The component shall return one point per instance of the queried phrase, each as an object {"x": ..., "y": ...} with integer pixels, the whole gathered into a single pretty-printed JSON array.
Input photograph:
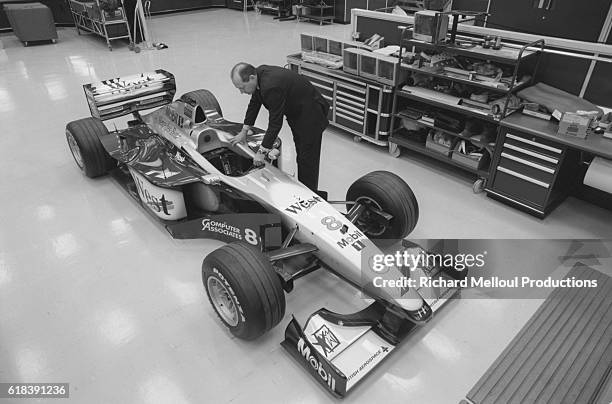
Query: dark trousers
[
  {"x": 307, "y": 136},
  {"x": 308, "y": 151}
]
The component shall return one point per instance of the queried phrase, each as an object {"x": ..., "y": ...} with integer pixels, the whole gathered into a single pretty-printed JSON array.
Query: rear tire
[
  {"x": 204, "y": 98},
  {"x": 83, "y": 137},
  {"x": 389, "y": 193},
  {"x": 244, "y": 290}
]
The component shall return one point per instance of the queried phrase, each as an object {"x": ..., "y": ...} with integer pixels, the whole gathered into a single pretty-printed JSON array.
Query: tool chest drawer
[
  {"x": 532, "y": 156},
  {"x": 534, "y": 169},
  {"x": 521, "y": 187},
  {"x": 323, "y": 84},
  {"x": 538, "y": 147},
  {"x": 350, "y": 103},
  {"x": 349, "y": 121},
  {"x": 352, "y": 92},
  {"x": 527, "y": 170}
]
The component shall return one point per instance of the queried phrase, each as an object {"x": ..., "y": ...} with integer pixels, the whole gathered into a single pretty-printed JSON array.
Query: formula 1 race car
[{"x": 179, "y": 163}]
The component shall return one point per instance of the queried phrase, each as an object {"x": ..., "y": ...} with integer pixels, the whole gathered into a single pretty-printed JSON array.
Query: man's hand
[
  {"x": 259, "y": 159},
  {"x": 239, "y": 138}
]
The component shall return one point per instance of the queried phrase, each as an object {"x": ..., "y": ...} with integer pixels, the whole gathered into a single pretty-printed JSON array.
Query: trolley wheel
[
  {"x": 131, "y": 46},
  {"x": 137, "y": 49},
  {"x": 356, "y": 138},
  {"x": 394, "y": 150},
  {"x": 479, "y": 185}
]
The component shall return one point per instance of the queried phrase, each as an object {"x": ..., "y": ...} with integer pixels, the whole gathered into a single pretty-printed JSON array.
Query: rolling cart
[{"x": 91, "y": 16}]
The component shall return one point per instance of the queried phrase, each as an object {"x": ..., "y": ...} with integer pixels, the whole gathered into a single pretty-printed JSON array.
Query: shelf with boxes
[
  {"x": 447, "y": 136},
  {"x": 463, "y": 82},
  {"x": 358, "y": 83},
  {"x": 106, "y": 19}
]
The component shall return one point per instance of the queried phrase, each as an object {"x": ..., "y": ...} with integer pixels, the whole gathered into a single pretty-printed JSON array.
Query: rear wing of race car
[{"x": 113, "y": 98}]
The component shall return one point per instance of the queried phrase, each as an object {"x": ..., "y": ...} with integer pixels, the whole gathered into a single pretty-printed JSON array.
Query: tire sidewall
[
  {"x": 213, "y": 270},
  {"x": 70, "y": 135}
]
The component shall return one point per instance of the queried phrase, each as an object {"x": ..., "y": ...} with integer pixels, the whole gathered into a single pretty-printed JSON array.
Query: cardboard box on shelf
[{"x": 574, "y": 124}]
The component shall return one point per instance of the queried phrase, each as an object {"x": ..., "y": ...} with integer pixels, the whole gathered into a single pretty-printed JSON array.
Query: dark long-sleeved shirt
[{"x": 286, "y": 93}]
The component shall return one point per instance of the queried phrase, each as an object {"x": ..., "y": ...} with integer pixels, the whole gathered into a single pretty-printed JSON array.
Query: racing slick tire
[
  {"x": 389, "y": 193},
  {"x": 204, "y": 98},
  {"x": 244, "y": 290},
  {"x": 83, "y": 137}
]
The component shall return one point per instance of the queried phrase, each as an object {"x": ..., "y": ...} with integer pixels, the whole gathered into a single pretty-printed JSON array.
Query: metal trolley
[{"x": 111, "y": 25}]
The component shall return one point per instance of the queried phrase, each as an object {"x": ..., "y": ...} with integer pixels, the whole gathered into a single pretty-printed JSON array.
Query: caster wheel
[
  {"x": 357, "y": 139},
  {"x": 131, "y": 46},
  {"x": 137, "y": 49},
  {"x": 394, "y": 150},
  {"x": 479, "y": 185}
]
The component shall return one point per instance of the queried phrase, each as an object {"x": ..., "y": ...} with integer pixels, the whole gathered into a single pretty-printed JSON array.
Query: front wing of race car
[{"x": 340, "y": 350}]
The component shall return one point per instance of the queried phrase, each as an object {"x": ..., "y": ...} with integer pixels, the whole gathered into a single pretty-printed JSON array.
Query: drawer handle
[
  {"x": 348, "y": 118},
  {"x": 350, "y": 113},
  {"x": 360, "y": 105},
  {"x": 531, "y": 153},
  {"x": 515, "y": 201},
  {"x": 381, "y": 114},
  {"x": 349, "y": 107},
  {"x": 305, "y": 67},
  {"x": 318, "y": 77},
  {"x": 321, "y": 86},
  {"x": 531, "y": 142},
  {"x": 523, "y": 177},
  {"x": 350, "y": 96},
  {"x": 352, "y": 88},
  {"x": 528, "y": 163}
]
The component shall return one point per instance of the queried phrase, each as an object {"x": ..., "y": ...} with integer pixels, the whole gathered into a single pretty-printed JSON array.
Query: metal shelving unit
[
  {"x": 89, "y": 17},
  {"x": 322, "y": 12},
  {"x": 510, "y": 56}
]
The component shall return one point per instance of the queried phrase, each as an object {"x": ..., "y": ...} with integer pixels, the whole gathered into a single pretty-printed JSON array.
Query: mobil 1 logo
[{"x": 352, "y": 239}]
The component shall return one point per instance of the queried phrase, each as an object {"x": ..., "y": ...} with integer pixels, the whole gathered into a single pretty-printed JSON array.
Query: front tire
[
  {"x": 387, "y": 192},
  {"x": 244, "y": 290},
  {"x": 83, "y": 137}
]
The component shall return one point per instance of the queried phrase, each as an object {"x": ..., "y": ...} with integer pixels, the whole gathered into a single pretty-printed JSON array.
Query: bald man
[{"x": 285, "y": 93}]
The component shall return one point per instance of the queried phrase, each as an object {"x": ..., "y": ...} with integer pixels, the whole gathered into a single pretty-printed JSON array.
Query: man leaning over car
[{"x": 284, "y": 93}]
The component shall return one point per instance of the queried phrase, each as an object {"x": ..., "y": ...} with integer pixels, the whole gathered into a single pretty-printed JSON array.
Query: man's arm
[
  {"x": 275, "y": 99},
  {"x": 252, "y": 111},
  {"x": 249, "y": 119}
]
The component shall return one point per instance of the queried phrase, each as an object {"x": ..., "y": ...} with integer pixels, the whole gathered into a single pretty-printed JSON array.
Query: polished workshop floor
[{"x": 95, "y": 293}]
